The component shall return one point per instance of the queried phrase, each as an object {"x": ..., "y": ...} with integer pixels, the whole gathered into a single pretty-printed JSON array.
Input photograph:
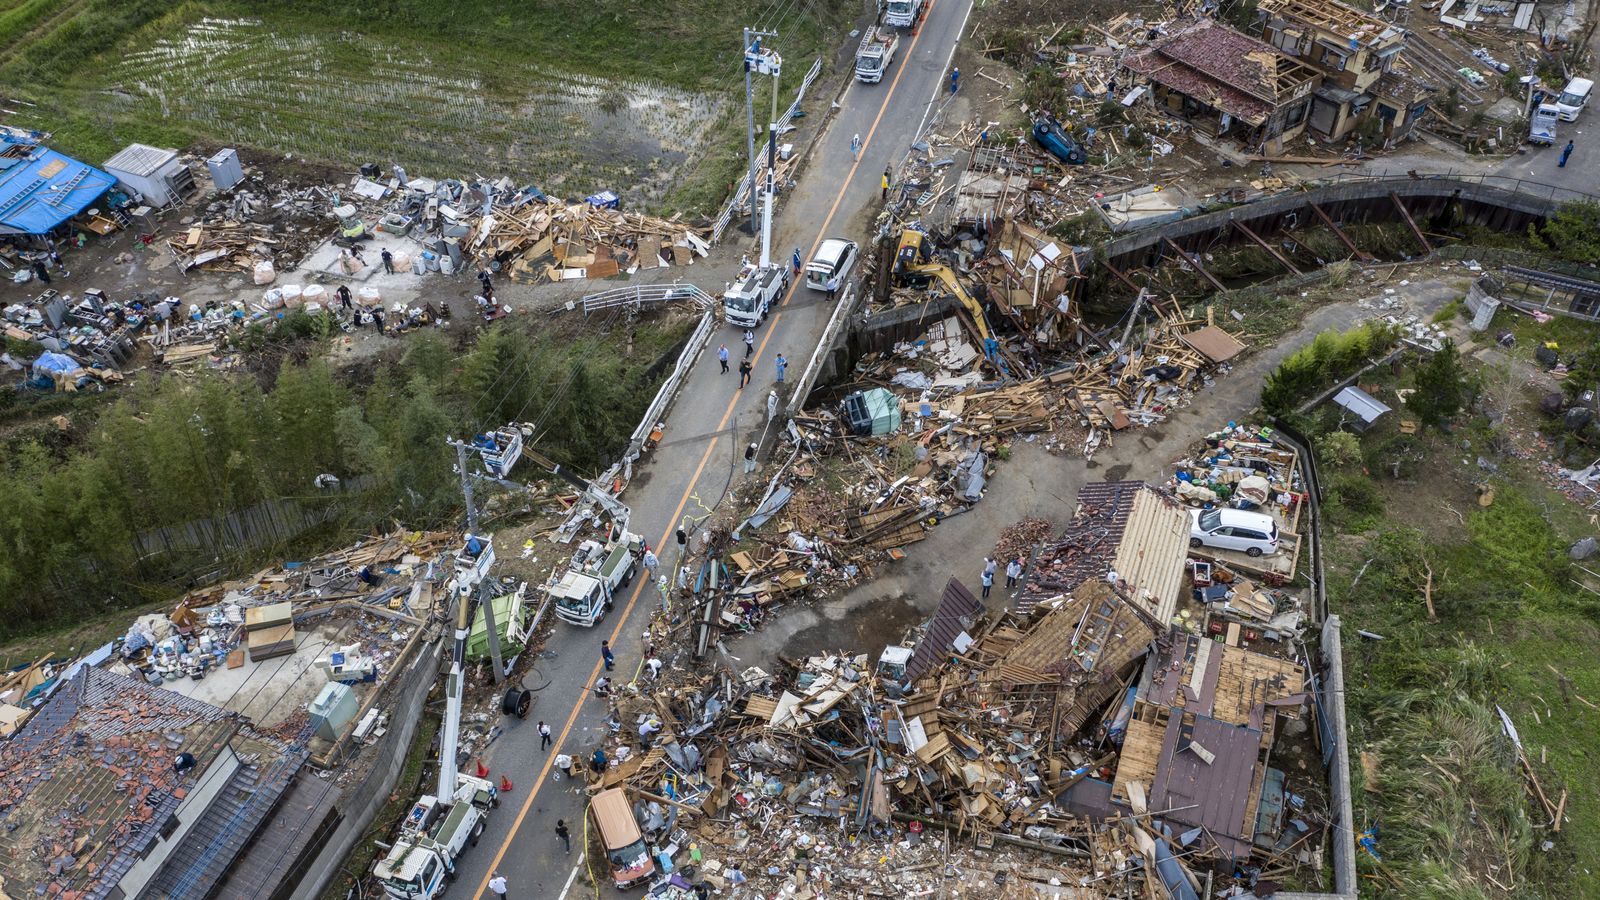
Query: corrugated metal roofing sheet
[{"x": 140, "y": 159}]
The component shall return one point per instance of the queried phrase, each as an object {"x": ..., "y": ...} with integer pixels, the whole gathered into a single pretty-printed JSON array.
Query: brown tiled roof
[
  {"x": 87, "y": 784},
  {"x": 1217, "y": 794},
  {"x": 1221, "y": 68}
]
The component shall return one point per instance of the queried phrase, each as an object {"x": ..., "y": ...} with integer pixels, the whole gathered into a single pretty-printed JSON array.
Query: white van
[
  {"x": 1253, "y": 533},
  {"x": 1574, "y": 97},
  {"x": 833, "y": 262}
]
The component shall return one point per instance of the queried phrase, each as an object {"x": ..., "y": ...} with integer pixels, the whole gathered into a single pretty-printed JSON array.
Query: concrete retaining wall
[
  {"x": 1498, "y": 204},
  {"x": 361, "y": 802}
]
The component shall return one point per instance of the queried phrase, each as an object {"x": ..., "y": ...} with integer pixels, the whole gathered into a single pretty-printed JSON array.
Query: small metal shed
[
  {"x": 1362, "y": 405},
  {"x": 155, "y": 174}
]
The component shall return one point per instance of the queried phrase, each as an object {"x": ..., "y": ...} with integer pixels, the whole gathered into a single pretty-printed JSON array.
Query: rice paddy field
[{"x": 573, "y": 97}]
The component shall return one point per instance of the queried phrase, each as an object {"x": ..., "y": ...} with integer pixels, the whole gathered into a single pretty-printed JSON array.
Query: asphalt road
[{"x": 697, "y": 461}]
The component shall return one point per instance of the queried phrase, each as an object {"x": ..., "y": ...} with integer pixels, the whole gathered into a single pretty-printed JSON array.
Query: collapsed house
[
  {"x": 1358, "y": 55},
  {"x": 116, "y": 788},
  {"x": 1228, "y": 85}
]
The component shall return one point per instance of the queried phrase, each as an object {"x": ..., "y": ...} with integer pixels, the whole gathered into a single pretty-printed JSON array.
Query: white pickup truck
[{"x": 875, "y": 54}]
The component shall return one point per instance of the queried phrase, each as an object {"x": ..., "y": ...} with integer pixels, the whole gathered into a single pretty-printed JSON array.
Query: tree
[
  {"x": 1442, "y": 387},
  {"x": 1340, "y": 450},
  {"x": 1573, "y": 233}
]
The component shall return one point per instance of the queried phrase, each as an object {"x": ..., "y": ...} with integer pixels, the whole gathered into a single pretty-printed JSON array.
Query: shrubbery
[{"x": 1328, "y": 358}]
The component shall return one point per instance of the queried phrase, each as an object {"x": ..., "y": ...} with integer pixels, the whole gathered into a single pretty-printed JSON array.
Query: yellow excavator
[{"x": 914, "y": 263}]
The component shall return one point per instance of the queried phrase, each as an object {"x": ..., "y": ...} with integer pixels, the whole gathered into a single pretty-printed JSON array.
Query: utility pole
[
  {"x": 482, "y": 588},
  {"x": 753, "y": 59}
]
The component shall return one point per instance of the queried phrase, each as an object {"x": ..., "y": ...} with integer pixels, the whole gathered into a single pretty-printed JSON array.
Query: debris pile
[{"x": 987, "y": 744}]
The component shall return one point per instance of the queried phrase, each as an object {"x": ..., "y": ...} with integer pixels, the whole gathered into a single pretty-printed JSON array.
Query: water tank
[
  {"x": 333, "y": 709},
  {"x": 225, "y": 169}
]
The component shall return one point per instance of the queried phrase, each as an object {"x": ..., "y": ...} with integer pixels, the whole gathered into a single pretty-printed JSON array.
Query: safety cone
[
  {"x": 505, "y": 784},
  {"x": 482, "y": 770}
]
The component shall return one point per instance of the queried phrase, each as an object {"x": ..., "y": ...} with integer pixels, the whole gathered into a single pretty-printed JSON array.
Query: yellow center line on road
[{"x": 689, "y": 490}]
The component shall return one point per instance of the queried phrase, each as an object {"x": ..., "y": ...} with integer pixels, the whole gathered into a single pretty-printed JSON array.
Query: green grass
[
  {"x": 1456, "y": 818},
  {"x": 572, "y": 96}
]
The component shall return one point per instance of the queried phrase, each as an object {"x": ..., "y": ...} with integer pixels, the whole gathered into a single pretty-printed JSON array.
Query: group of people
[{"x": 1013, "y": 573}]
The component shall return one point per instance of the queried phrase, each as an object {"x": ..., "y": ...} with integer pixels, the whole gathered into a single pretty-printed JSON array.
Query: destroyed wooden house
[
  {"x": 1227, "y": 84},
  {"x": 1358, "y": 56},
  {"x": 1198, "y": 748},
  {"x": 1126, "y": 531}
]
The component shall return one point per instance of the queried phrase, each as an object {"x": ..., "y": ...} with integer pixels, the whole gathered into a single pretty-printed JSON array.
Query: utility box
[
  {"x": 226, "y": 171},
  {"x": 155, "y": 174},
  {"x": 333, "y": 709}
]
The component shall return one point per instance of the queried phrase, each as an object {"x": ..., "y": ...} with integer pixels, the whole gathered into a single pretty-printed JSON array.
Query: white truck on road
[
  {"x": 875, "y": 54},
  {"x": 432, "y": 839},
  {"x": 902, "y": 13},
  {"x": 757, "y": 291},
  {"x": 597, "y": 573}
]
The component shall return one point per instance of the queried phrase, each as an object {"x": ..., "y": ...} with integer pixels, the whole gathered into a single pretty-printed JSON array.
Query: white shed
[{"x": 156, "y": 175}]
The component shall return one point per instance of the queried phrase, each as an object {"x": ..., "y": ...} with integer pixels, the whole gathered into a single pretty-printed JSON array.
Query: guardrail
[
  {"x": 642, "y": 295},
  {"x": 737, "y": 200},
  {"x": 841, "y": 314},
  {"x": 1505, "y": 182}
]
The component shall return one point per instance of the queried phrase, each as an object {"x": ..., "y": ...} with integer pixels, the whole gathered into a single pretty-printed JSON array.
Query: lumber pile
[
  {"x": 224, "y": 246},
  {"x": 550, "y": 240}
]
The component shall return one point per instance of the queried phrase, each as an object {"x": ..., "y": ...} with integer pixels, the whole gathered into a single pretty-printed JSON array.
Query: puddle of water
[{"x": 345, "y": 98}]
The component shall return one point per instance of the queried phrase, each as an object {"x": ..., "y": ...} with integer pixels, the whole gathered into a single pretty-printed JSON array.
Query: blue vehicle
[{"x": 1054, "y": 139}]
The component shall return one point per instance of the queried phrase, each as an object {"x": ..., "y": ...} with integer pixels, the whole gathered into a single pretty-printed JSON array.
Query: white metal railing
[
  {"x": 754, "y": 172},
  {"x": 643, "y": 295},
  {"x": 841, "y": 314}
]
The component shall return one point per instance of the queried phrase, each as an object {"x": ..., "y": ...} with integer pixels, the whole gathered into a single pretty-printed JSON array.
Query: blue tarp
[
  {"x": 41, "y": 191},
  {"x": 55, "y": 362}
]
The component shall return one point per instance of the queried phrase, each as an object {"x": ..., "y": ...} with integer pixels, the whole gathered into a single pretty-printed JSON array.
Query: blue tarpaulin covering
[
  {"x": 55, "y": 362},
  {"x": 42, "y": 189}
]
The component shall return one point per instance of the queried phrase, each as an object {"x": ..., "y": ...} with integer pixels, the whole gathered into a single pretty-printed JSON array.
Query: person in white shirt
[{"x": 497, "y": 885}]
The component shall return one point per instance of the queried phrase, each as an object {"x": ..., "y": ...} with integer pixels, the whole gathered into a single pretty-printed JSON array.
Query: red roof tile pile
[{"x": 1217, "y": 66}]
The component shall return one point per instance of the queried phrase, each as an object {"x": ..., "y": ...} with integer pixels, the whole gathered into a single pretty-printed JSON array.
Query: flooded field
[{"x": 342, "y": 97}]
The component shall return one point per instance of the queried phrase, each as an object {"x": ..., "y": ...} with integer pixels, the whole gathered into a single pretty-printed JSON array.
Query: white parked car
[
  {"x": 1252, "y": 533},
  {"x": 833, "y": 263}
]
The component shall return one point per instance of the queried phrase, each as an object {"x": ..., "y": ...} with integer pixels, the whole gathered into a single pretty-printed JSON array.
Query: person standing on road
[
  {"x": 796, "y": 260},
  {"x": 988, "y": 582},
  {"x": 772, "y": 405},
  {"x": 855, "y": 147},
  {"x": 989, "y": 565},
  {"x": 564, "y": 834},
  {"x": 544, "y": 736},
  {"x": 1013, "y": 572},
  {"x": 744, "y": 372},
  {"x": 781, "y": 364},
  {"x": 343, "y": 293},
  {"x": 497, "y": 885},
  {"x": 564, "y": 764},
  {"x": 651, "y": 561},
  {"x": 955, "y": 80},
  {"x": 606, "y": 655},
  {"x": 722, "y": 357},
  {"x": 750, "y": 458},
  {"x": 885, "y": 184},
  {"x": 833, "y": 288},
  {"x": 1565, "y": 152},
  {"x": 749, "y": 343},
  {"x": 388, "y": 262}
]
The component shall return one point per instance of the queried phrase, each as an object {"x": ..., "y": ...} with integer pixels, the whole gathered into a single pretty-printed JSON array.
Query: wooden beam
[
  {"x": 1122, "y": 277},
  {"x": 1193, "y": 260},
  {"x": 1427, "y": 247},
  {"x": 1343, "y": 238},
  {"x": 1282, "y": 260}
]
